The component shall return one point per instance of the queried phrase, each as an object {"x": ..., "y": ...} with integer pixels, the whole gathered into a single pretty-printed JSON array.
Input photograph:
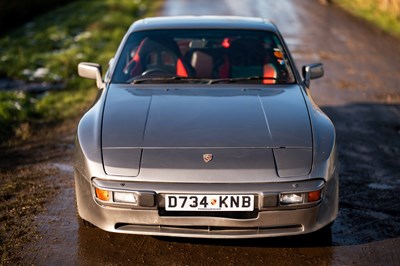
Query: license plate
[{"x": 175, "y": 202}]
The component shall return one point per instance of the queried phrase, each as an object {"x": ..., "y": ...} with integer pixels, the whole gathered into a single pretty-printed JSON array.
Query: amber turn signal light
[
  {"x": 314, "y": 196},
  {"x": 103, "y": 195}
]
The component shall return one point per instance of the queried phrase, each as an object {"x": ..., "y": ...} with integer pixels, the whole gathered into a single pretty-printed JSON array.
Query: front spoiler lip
[
  {"x": 268, "y": 224},
  {"x": 209, "y": 231}
]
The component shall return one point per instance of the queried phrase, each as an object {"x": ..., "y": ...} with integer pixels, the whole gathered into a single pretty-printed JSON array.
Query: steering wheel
[{"x": 154, "y": 71}]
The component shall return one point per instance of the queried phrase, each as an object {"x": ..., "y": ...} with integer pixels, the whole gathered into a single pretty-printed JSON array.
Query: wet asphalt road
[{"x": 361, "y": 94}]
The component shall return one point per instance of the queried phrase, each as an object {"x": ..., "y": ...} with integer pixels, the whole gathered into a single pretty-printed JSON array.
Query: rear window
[{"x": 204, "y": 55}]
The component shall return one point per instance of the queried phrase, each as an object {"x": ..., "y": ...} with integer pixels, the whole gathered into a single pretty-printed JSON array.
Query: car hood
[{"x": 158, "y": 128}]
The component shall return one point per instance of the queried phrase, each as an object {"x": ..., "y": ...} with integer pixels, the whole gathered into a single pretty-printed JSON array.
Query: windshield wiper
[
  {"x": 170, "y": 79},
  {"x": 202, "y": 80},
  {"x": 232, "y": 80}
]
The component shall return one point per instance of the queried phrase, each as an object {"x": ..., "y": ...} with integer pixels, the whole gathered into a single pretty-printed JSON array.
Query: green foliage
[
  {"x": 58, "y": 41},
  {"x": 64, "y": 104},
  {"x": 383, "y": 13},
  {"x": 14, "y": 108}
]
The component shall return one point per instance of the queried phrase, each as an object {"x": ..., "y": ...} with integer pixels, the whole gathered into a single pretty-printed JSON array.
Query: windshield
[{"x": 203, "y": 55}]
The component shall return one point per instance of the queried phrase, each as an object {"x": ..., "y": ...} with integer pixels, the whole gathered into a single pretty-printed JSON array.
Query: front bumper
[{"x": 269, "y": 221}]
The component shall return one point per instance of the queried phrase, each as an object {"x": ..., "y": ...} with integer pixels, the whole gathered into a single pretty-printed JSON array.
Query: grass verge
[{"x": 383, "y": 13}]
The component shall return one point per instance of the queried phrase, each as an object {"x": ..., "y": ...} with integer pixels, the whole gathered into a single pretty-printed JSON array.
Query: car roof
[{"x": 203, "y": 22}]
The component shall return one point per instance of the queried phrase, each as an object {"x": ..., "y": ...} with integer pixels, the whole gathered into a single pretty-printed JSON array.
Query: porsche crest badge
[{"x": 207, "y": 157}]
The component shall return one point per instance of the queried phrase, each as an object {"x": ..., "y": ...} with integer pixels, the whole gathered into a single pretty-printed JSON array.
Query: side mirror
[
  {"x": 91, "y": 71},
  {"x": 312, "y": 71}
]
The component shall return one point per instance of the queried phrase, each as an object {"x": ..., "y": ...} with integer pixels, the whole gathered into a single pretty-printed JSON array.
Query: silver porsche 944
[{"x": 203, "y": 127}]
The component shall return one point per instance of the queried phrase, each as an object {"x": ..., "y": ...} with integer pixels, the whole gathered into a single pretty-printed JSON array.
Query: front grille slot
[{"x": 208, "y": 231}]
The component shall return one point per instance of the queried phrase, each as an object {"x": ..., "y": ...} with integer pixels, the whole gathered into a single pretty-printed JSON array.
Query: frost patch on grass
[
  {"x": 82, "y": 36},
  {"x": 40, "y": 73}
]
